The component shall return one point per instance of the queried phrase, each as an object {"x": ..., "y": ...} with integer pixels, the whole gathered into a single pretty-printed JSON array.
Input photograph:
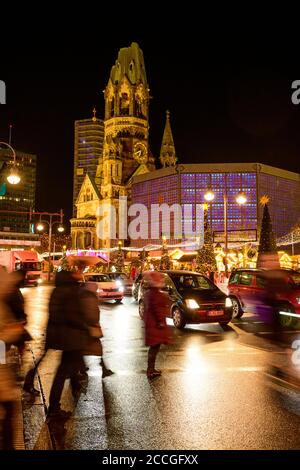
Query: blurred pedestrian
[
  {"x": 156, "y": 330},
  {"x": 92, "y": 286},
  {"x": 133, "y": 273},
  {"x": 15, "y": 302},
  {"x": 73, "y": 328},
  {"x": 10, "y": 332}
]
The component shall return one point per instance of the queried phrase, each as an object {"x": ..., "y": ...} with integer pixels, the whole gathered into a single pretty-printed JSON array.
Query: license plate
[{"x": 215, "y": 313}]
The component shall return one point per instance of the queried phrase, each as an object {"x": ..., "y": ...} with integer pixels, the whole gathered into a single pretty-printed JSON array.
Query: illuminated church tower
[
  {"x": 167, "y": 151},
  {"x": 126, "y": 150}
]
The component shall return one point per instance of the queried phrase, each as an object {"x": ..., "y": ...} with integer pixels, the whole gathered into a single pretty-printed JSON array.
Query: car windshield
[
  {"x": 31, "y": 266},
  {"x": 295, "y": 279},
  {"x": 121, "y": 276},
  {"x": 192, "y": 281},
  {"x": 97, "y": 278}
]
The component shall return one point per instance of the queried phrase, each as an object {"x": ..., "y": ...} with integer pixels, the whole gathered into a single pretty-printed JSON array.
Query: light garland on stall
[{"x": 290, "y": 238}]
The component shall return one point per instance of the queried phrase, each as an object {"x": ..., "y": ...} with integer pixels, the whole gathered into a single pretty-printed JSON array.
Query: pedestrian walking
[
  {"x": 10, "y": 332},
  {"x": 156, "y": 330},
  {"x": 15, "y": 302},
  {"x": 73, "y": 328}
]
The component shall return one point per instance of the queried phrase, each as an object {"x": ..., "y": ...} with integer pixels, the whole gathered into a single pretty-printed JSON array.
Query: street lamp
[
  {"x": 50, "y": 222},
  {"x": 13, "y": 177},
  {"x": 240, "y": 198}
]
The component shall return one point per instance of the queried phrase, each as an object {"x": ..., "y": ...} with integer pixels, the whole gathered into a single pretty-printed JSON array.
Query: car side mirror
[{"x": 168, "y": 289}]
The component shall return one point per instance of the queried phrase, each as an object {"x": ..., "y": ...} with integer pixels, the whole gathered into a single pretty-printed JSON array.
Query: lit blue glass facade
[{"x": 189, "y": 187}]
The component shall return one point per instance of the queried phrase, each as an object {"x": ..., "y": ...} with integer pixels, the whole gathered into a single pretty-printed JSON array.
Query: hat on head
[{"x": 154, "y": 279}]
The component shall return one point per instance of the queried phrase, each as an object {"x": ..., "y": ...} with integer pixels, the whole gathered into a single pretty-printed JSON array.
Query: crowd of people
[{"x": 73, "y": 328}]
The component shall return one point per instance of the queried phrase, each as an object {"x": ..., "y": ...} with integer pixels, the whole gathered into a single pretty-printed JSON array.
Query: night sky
[{"x": 227, "y": 103}]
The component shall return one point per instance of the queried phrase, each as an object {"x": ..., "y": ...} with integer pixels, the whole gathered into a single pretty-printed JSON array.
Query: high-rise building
[
  {"x": 88, "y": 150},
  {"x": 19, "y": 197}
]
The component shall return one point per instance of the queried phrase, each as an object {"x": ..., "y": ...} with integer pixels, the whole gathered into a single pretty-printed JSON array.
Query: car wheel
[
  {"x": 237, "y": 312},
  {"x": 141, "y": 310},
  {"x": 118, "y": 301},
  {"x": 285, "y": 320},
  {"x": 178, "y": 318}
]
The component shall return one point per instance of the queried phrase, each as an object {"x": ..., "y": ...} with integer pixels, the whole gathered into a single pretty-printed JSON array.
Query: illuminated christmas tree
[
  {"x": 119, "y": 261},
  {"x": 165, "y": 262},
  {"x": 267, "y": 250},
  {"x": 64, "y": 264},
  {"x": 206, "y": 260}
]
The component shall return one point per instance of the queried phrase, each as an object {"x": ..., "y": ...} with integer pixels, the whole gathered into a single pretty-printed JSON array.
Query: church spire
[{"x": 167, "y": 150}]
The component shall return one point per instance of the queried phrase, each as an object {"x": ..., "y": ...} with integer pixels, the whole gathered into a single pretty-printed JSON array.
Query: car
[
  {"x": 261, "y": 290},
  {"x": 136, "y": 285},
  {"x": 193, "y": 298},
  {"x": 124, "y": 280},
  {"x": 105, "y": 287}
]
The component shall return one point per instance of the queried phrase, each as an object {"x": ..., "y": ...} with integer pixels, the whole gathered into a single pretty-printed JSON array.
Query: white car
[{"x": 104, "y": 286}]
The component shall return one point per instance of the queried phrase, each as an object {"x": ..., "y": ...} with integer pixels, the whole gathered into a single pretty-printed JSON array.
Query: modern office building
[
  {"x": 88, "y": 151},
  {"x": 187, "y": 184},
  {"x": 16, "y": 198}
]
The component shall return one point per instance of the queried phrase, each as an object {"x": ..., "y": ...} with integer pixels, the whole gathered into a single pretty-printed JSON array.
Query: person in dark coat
[
  {"x": 156, "y": 330},
  {"x": 73, "y": 328},
  {"x": 15, "y": 302}
]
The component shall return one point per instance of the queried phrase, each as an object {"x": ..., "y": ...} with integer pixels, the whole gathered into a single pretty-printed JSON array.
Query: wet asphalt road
[{"x": 214, "y": 392}]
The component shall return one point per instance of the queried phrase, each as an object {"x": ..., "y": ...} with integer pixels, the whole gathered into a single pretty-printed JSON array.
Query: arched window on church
[
  {"x": 124, "y": 104},
  {"x": 112, "y": 107},
  {"x": 138, "y": 107}
]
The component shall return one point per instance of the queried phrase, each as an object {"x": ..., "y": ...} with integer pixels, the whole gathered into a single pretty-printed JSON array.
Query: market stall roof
[
  {"x": 187, "y": 258},
  {"x": 27, "y": 255},
  {"x": 87, "y": 260}
]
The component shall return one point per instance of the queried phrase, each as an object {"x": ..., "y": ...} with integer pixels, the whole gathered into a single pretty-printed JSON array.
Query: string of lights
[{"x": 290, "y": 238}]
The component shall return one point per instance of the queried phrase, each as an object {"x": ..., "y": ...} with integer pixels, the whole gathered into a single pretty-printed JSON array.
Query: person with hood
[
  {"x": 73, "y": 328},
  {"x": 156, "y": 308}
]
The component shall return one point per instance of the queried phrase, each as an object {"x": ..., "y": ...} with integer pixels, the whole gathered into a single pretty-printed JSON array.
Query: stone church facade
[{"x": 126, "y": 151}]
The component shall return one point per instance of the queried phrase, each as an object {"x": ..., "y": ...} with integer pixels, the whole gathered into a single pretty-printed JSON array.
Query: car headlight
[
  {"x": 228, "y": 302},
  {"x": 191, "y": 303},
  {"x": 119, "y": 283},
  {"x": 99, "y": 291},
  {"x": 40, "y": 281},
  {"x": 121, "y": 289}
]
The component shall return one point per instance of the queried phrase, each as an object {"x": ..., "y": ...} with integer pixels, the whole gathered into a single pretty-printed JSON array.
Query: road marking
[
  {"x": 288, "y": 314},
  {"x": 273, "y": 332}
]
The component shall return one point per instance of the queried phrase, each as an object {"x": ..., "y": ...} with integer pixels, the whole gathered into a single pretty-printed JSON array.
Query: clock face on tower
[{"x": 140, "y": 152}]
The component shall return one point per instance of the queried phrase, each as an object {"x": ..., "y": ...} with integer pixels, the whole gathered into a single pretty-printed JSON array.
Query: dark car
[
  {"x": 124, "y": 280},
  {"x": 193, "y": 299},
  {"x": 261, "y": 291}
]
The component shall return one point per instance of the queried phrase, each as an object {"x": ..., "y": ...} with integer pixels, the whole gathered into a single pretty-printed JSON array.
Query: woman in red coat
[{"x": 156, "y": 330}]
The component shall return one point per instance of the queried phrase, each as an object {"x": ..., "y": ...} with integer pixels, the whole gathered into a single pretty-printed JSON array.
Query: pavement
[{"x": 219, "y": 388}]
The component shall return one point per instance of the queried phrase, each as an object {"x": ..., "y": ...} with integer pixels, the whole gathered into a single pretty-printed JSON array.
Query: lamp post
[
  {"x": 13, "y": 177},
  {"x": 241, "y": 198},
  {"x": 50, "y": 222}
]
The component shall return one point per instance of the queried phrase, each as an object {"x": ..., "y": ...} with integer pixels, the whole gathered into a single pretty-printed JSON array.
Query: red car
[{"x": 274, "y": 293}]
